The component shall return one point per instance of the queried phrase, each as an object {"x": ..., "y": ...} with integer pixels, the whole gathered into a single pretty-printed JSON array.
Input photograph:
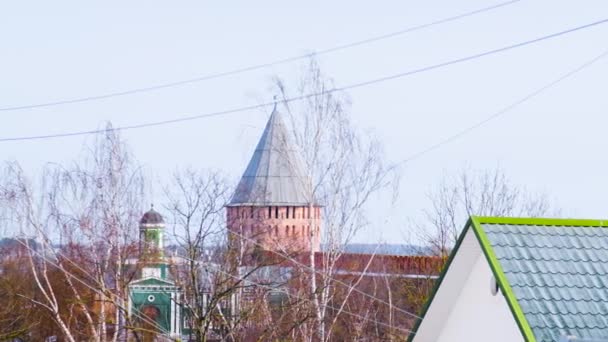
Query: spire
[{"x": 274, "y": 174}]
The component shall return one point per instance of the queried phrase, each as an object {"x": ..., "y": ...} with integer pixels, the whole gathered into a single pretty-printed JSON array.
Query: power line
[
  {"x": 506, "y": 109},
  {"x": 477, "y": 125},
  {"x": 449, "y": 139},
  {"x": 259, "y": 66},
  {"x": 486, "y": 120},
  {"x": 297, "y": 98}
]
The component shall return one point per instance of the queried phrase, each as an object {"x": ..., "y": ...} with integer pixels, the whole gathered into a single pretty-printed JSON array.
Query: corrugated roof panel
[{"x": 559, "y": 276}]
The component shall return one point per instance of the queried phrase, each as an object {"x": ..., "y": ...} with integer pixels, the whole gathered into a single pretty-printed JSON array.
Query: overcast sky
[{"x": 55, "y": 50}]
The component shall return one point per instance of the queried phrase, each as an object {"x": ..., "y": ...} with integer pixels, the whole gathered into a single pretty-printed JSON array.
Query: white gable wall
[
  {"x": 464, "y": 308},
  {"x": 478, "y": 315}
]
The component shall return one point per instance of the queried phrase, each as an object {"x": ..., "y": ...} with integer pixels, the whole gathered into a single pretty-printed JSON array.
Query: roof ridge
[{"x": 541, "y": 221}]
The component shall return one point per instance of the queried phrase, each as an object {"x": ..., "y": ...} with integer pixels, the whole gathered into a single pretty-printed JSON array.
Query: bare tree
[
  {"x": 482, "y": 193},
  {"x": 196, "y": 202},
  {"x": 344, "y": 168},
  {"x": 222, "y": 293},
  {"x": 84, "y": 220}
]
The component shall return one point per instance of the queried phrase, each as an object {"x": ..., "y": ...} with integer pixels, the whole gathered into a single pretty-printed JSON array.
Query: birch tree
[
  {"x": 475, "y": 192},
  {"x": 84, "y": 219},
  {"x": 344, "y": 169}
]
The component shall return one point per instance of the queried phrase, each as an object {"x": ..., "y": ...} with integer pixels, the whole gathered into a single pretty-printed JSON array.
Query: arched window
[
  {"x": 269, "y": 212},
  {"x": 293, "y": 231},
  {"x": 287, "y": 230}
]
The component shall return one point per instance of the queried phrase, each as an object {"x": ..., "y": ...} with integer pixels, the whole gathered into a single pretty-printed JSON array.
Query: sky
[{"x": 554, "y": 143}]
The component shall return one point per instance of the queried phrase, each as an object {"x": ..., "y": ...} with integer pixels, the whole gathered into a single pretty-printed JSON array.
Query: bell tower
[
  {"x": 273, "y": 207},
  {"x": 154, "y": 298},
  {"x": 151, "y": 245}
]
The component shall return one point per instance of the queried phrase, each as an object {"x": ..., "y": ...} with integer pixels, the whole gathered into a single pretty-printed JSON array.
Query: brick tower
[{"x": 272, "y": 207}]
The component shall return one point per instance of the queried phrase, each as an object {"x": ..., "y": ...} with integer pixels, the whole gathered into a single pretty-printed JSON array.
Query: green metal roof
[
  {"x": 552, "y": 272},
  {"x": 557, "y": 271}
]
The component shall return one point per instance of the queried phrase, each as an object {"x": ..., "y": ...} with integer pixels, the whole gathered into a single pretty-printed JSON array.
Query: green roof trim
[
  {"x": 540, "y": 221},
  {"x": 499, "y": 275}
]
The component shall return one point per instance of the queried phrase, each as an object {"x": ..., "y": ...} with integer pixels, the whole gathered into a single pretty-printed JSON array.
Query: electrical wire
[
  {"x": 465, "y": 131},
  {"x": 487, "y": 119},
  {"x": 259, "y": 66},
  {"x": 297, "y": 98},
  {"x": 503, "y": 110}
]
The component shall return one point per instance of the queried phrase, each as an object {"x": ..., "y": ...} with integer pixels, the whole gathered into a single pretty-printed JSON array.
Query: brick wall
[{"x": 287, "y": 228}]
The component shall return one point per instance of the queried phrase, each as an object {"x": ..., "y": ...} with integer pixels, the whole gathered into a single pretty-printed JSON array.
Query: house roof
[
  {"x": 552, "y": 272},
  {"x": 274, "y": 175}
]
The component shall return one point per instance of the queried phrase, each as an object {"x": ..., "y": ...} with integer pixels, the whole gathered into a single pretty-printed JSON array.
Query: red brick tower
[{"x": 272, "y": 207}]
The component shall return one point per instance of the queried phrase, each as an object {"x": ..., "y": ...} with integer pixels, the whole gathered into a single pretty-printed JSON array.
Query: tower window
[
  {"x": 269, "y": 212},
  {"x": 287, "y": 230},
  {"x": 276, "y": 212},
  {"x": 287, "y": 212}
]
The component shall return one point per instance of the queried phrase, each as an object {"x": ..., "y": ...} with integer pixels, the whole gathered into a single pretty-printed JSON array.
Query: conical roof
[{"x": 274, "y": 175}]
